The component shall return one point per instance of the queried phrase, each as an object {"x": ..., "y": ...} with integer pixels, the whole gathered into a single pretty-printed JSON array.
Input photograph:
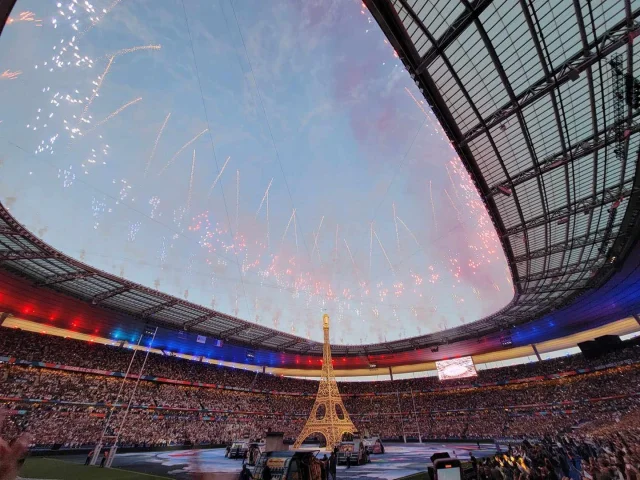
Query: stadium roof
[
  {"x": 533, "y": 98},
  {"x": 540, "y": 102}
]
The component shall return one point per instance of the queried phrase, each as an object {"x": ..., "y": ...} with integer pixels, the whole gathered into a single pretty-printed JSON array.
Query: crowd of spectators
[
  {"x": 70, "y": 408},
  {"x": 613, "y": 454},
  {"x": 47, "y": 348}
]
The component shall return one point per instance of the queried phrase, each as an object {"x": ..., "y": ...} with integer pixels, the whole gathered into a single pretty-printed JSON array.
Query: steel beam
[
  {"x": 580, "y": 149},
  {"x": 590, "y": 238},
  {"x": 570, "y": 286},
  {"x": 607, "y": 43},
  {"x": 198, "y": 320},
  {"x": 566, "y": 270},
  {"x": 52, "y": 280},
  {"x": 259, "y": 340},
  {"x": 459, "y": 25},
  {"x": 101, "y": 297},
  {"x": 158, "y": 308},
  {"x": 225, "y": 334},
  {"x": 24, "y": 255},
  {"x": 9, "y": 231},
  {"x": 586, "y": 204},
  {"x": 289, "y": 344}
]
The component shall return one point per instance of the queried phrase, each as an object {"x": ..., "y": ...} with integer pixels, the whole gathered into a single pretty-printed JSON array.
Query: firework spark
[
  {"x": 453, "y": 204},
  {"x": 350, "y": 255},
  {"x": 175, "y": 155},
  {"x": 409, "y": 230},
  {"x": 433, "y": 208},
  {"x": 237, "y": 199},
  {"x": 384, "y": 252},
  {"x": 215, "y": 182},
  {"x": 315, "y": 240},
  {"x": 9, "y": 75},
  {"x": 114, "y": 114},
  {"x": 25, "y": 17},
  {"x": 97, "y": 19},
  {"x": 96, "y": 90},
  {"x": 190, "y": 193},
  {"x": 370, "y": 246},
  {"x": 395, "y": 222},
  {"x": 293, "y": 213},
  {"x": 155, "y": 145},
  {"x": 263, "y": 197}
]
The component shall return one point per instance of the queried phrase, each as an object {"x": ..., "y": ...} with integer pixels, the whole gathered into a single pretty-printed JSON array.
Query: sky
[{"x": 272, "y": 160}]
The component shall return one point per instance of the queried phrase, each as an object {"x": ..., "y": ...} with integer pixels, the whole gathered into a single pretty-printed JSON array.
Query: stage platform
[{"x": 399, "y": 460}]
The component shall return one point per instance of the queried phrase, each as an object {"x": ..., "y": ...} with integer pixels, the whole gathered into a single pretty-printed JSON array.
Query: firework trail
[
  {"x": 409, "y": 230},
  {"x": 350, "y": 255},
  {"x": 25, "y": 17},
  {"x": 395, "y": 221},
  {"x": 237, "y": 199},
  {"x": 175, "y": 155},
  {"x": 97, "y": 19},
  {"x": 189, "y": 194},
  {"x": 370, "y": 246},
  {"x": 9, "y": 75},
  {"x": 264, "y": 196},
  {"x": 268, "y": 246},
  {"x": 315, "y": 240},
  {"x": 384, "y": 251},
  {"x": 416, "y": 102},
  {"x": 155, "y": 145},
  {"x": 124, "y": 51},
  {"x": 94, "y": 94},
  {"x": 287, "y": 228},
  {"x": 114, "y": 114},
  {"x": 295, "y": 228},
  {"x": 453, "y": 204},
  {"x": 215, "y": 182},
  {"x": 112, "y": 57},
  {"x": 433, "y": 208},
  {"x": 455, "y": 190}
]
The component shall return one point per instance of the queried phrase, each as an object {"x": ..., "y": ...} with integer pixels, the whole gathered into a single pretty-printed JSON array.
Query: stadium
[{"x": 378, "y": 239}]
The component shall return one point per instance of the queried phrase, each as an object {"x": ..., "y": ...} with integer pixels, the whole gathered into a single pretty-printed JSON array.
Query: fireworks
[
  {"x": 315, "y": 241},
  {"x": 215, "y": 182},
  {"x": 190, "y": 192},
  {"x": 155, "y": 144},
  {"x": 114, "y": 114},
  {"x": 266, "y": 193},
  {"x": 9, "y": 75},
  {"x": 175, "y": 155},
  {"x": 27, "y": 16},
  {"x": 433, "y": 208}
]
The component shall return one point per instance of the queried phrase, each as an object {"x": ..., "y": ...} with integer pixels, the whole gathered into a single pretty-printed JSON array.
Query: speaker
[
  {"x": 439, "y": 455},
  {"x": 590, "y": 349},
  {"x": 609, "y": 343}
]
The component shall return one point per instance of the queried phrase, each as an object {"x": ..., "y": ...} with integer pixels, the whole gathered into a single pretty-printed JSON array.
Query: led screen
[{"x": 456, "y": 368}]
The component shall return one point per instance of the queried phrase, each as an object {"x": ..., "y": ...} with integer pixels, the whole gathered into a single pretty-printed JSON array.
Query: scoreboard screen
[{"x": 456, "y": 368}]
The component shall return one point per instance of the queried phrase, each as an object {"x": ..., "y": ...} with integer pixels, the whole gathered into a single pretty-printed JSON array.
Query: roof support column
[
  {"x": 391, "y": 374},
  {"x": 637, "y": 317},
  {"x": 535, "y": 350},
  {"x": 3, "y": 317}
]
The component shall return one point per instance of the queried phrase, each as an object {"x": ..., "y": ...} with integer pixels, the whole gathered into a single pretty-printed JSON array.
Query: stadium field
[{"x": 55, "y": 469}]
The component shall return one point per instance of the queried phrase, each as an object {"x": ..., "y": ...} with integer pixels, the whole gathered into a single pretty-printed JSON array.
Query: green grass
[{"x": 52, "y": 468}]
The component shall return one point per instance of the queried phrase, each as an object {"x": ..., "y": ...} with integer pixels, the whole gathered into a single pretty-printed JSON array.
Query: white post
[{"x": 98, "y": 447}]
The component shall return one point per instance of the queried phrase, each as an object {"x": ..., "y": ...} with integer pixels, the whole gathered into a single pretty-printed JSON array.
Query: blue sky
[{"x": 305, "y": 105}]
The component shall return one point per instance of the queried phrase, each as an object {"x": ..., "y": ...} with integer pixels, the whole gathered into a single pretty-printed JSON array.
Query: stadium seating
[{"x": 69, "y": 407}]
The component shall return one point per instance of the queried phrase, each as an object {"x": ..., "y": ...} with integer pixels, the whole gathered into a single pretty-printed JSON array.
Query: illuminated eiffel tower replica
[{"x": 334, "y": 421}]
